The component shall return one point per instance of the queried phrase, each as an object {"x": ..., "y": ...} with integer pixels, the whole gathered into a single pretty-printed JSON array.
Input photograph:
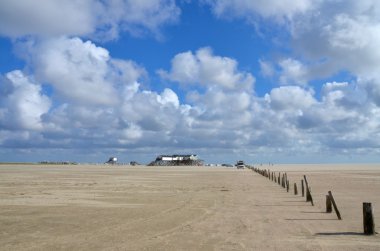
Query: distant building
[
  {"x": 111, "y": 160},
  {"x": 177, "y": 160},
  {"x": 177, "y": 157}
]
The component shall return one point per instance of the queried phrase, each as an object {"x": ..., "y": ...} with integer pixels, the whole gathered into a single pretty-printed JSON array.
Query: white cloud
[
  {"x": 371, "y": 85},
  {"x": 22, "y": 104},
  {"x": 96, "y": 18},
  {"x": 266, "y": 68},
  {"x": 97, "y": 100},
  {"x": 81, "y": 71},
  {"x": 332, "y": 36},
  {"x": 208, "y": 70},
  {"x": 342, "y": 36},
  {"x": 138, "y": 17},
  {"x": 25, "y": 17},
  {"x": 293, "y": 72},
  {"x": 152, "y": 111},
  {"x": 265, "y": 8},
  {"x": 291, "y": 97},
  {"x": 168, "y": 97},
  {"x": 131, "y": 133}
]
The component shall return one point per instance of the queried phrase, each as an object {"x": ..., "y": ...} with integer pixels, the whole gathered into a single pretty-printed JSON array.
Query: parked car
[{"x": 240, "y": 164}]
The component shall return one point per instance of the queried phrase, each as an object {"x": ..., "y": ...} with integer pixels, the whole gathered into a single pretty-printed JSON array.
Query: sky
[{"x": 291, "y": 81}]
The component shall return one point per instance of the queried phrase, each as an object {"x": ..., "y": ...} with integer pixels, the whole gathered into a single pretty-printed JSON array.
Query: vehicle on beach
[{"x": 240, "y": 164}]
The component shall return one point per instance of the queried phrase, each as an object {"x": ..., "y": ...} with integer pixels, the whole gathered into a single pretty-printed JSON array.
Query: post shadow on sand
[
  {"x": 340, "y": 233},
  {"x": 277, "y": 205},
  {"x": 313, "y": 212},
  {"x": 299, "y": 219}
]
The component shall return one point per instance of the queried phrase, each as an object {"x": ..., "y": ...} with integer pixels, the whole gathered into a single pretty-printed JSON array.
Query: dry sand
[{"x": 192, "y": 208}]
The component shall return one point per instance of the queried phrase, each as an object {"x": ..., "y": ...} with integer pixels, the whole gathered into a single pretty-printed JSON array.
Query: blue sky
[{"x": 279, "y": 81}]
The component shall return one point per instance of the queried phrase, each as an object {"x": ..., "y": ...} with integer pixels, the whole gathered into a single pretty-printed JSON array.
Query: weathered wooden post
[
  {"x": 302, "y": 189},
  {"x": 308, "y": 192},
  {"x": 279, "y": 175},
  {"x": 295, "y": 188},
  {"x": 285, "y": 180},
  {"x": 308, "y": 196},
  {"x": 287, "y": 186},
  {"x": 307, "y": 189},
  {"x": 368, "y": 220},
  {"x": 334, "y": 205},
  {"x": 328, "y": 204}
]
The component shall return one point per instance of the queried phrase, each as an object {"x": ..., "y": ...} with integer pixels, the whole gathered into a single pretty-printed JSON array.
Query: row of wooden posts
[{"x": 282, "y": 180}]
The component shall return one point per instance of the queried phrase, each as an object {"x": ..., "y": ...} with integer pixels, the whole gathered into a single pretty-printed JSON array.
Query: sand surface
[{"x": 193, "y": 208}]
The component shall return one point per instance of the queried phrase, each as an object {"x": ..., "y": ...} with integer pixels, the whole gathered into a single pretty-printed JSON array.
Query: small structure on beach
[
  {"x": 111, "y": 160},
  {"x": 177, "y": 160}
]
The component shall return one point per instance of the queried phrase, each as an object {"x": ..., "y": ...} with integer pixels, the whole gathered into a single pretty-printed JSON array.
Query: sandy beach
[{"x": 97, "y": 207}]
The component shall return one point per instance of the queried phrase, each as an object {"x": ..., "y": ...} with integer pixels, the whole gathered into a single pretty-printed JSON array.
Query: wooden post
[
  {"x": 308, "y": 196},
  {"x": 287, "y": 186},
  {"x": 279, "y": 175},
  {"x": 308, "y": 192},
  {"x": 306, "y": 183},
  {"x": 334, "y": 205},
  {"x": 302, "y": 189},
  {"x": 307, "y": 189},
  {"x": 368, "y": 220},
  {"x": 285, "y": 180},
  {"x": 328, "y": 204},
  {"x": 295, "y": 188}
]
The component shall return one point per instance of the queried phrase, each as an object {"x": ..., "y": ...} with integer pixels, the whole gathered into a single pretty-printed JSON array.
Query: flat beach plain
[{"x": 97, "y": 207}]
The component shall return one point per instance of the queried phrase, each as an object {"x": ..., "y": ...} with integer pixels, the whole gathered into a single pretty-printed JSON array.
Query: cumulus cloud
[
  {"x": 137, "y": 17},
  {"x": 290, "y": 97},
  {"x": 267, "y": 9},
  {"x": 206, "y": 69},
  {"x": 331, "y": 36},
  {"x": 81, "y": 71},
  {"x": 96, "y": 18},
  {"x": 293, "y": 72},
  {"x": 26, "y": 17},
  {"x": 98, "y": 100},
  {"x": 22, "y": 103},
  {"x": 342, "y": 36},
  {"x": 227, "y": 115}
]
